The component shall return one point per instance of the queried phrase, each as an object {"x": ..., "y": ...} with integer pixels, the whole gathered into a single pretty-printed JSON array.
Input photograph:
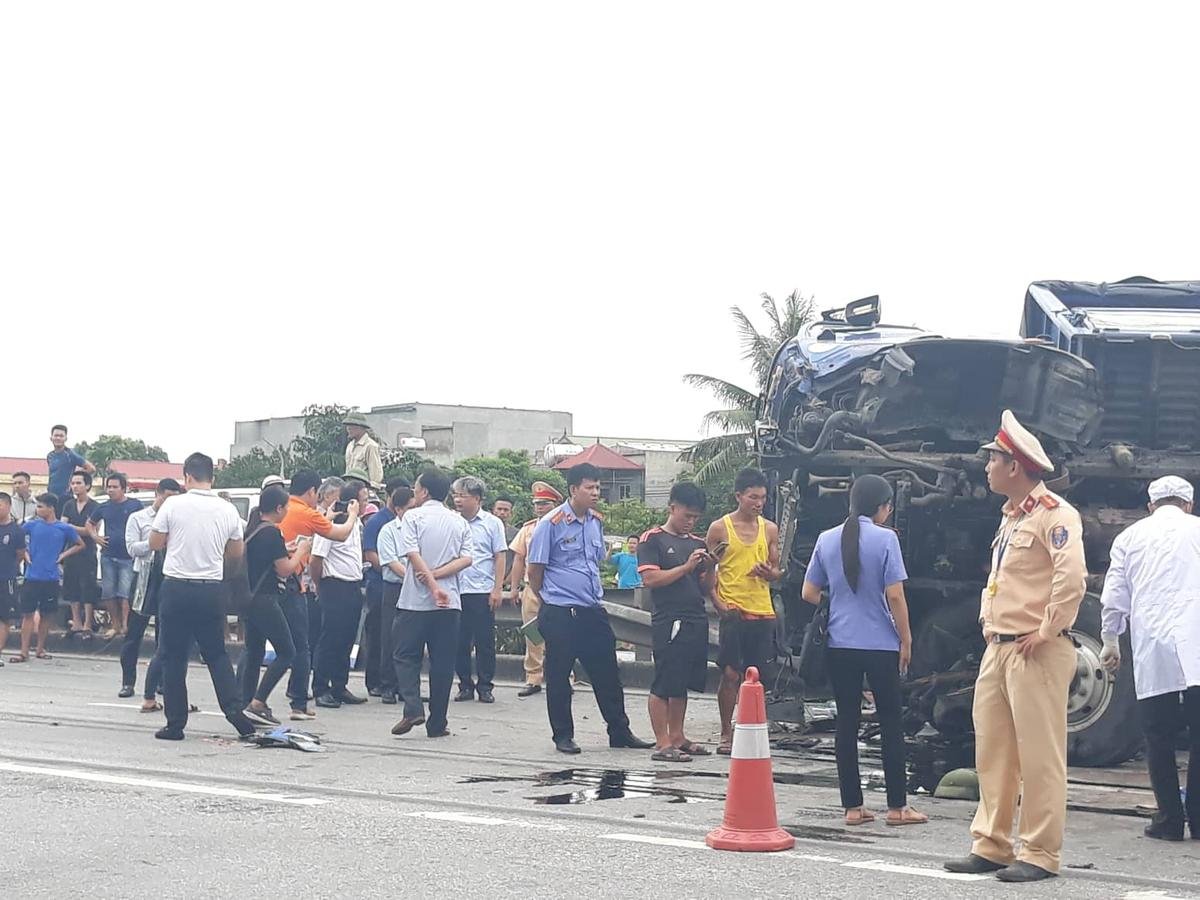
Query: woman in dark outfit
[
  {"x": 267, "y": 567},
  {"x": 861, "y": 565}
]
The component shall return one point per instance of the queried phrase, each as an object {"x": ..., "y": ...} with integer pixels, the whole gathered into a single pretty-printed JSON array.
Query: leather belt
[
  {"x": 192, "y": 580},
  {"x": 1009, "y": 638}
]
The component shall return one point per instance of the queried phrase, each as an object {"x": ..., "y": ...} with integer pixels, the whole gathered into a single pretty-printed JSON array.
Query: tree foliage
[
  {"x": 630, "y": 517},
  {"x": 247, "y": 470},
  {"x": 323, "y": 444},
  {"x": 511, "y": 472},
  {"x": 729, "y": 448},
  {"x": 108, "y": 447}
]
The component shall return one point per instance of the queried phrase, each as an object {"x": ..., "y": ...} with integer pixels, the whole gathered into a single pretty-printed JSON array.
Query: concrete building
[
  {"x": 659, "y": 461},
  {"x": 450, "y": 433},
  {"x": 620, "y": 478}
]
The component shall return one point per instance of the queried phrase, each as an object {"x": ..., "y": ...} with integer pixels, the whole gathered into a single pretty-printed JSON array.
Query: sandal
[
  {"x": 859, "y": 816},
  {"x": 18, "y": 659},
  {"x": 906, "y": 816},
  {"x": 42, "y": 654},
  {"x": 725, "y": 748},
  {"x": 671, "y": 754},
  {"x": 157, "y": 707},
  {"x": 695, "y": 749}
]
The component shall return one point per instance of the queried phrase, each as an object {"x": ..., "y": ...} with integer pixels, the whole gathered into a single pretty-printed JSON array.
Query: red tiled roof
[
  {"x": 600, "y": 457},
  {"x": 31, "y": 464},
  {"x": 144, "y": 473}
]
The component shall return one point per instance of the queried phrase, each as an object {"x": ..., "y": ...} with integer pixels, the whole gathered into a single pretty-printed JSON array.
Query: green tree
[
  {"x": 730, "y": 448},
  {"x": 323, "y": 444},
  {"x": 108, "y": 447},
  {"x": 630, "y": 517},
  {"x": 510, "y": 472},
  {"x": 247, "y": 470},
  {"x": 407, "y": 464}
]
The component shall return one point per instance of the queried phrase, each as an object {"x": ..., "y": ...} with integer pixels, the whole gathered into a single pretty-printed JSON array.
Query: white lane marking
[
  {"x": 878, "y": 865},
  {"x": 158, "y": 784},
  {"x": 468, "y": 819},
  {"x": 137, "y": 706},
  {"x": 1150, "y": 895},
  {"x": 812, "y": 857},
  {"x": 660, "y": 841}
]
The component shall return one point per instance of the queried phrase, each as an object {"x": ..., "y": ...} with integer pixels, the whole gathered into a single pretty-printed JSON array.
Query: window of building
[{"x": 626, "y": 491}]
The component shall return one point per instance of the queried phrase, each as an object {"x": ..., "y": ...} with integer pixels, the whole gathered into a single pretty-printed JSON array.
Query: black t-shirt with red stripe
[{"x": 682, "y": 599}]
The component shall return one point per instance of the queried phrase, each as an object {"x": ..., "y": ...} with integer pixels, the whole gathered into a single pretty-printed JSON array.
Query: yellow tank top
[{"x": 735, "y": 585}]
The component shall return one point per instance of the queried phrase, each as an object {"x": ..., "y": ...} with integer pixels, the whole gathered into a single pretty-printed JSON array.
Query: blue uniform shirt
[
  {"x": 370, "y": 541},
  {"x": 487, "y": 539},
  {"x": 62, "y": 464},
  {"x": 572, "y": 550}
]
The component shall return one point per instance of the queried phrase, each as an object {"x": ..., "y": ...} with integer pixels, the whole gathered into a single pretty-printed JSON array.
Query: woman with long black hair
[{"x": 861, "y": 565}]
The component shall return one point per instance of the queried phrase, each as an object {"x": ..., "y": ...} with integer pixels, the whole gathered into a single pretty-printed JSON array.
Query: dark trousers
[
  {"x": 194, "y": 611},
  {"x": 295, "y": 611},
  {"x": 368, "y": 653},
  {"x": 882, "y": 671},
  {"x": 263, "y": 622},
  {"x": 1162, "y": 718},
  {"x": 414, "y": 631},
  {"x": 581, "y": 633},
  {"x": 341, "y": 608},
  {"x": 387, "y": 618},
  {"x": 130, "y": 651},
  {"x": 476, "y": 628}
]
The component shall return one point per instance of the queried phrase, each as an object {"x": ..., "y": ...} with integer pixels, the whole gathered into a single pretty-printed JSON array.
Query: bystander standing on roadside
[
  {"x": 544, "y": 498},
  {"x": 62, "y": 462},
  {"x": 626, "y": 561},
  {"x": 116, "y": 565},
  {"x": 746, "y": 547},
  {"x": 436, "y": 544},
  {"x": 12, "y": 554},
  {"x": 24, "y": 504},
  {"x": 143, "y": 607},
  {"x": 362, "y": 492},
  {"x": 301, "y": 523},
  {"x": 393, "y": 566},
  {"x": 564, "y": 572},
  {"x": 337, "y": 569},
  {"x": 79, "y": 586},
  {"x": 362, "y": 450},
  {"x": 48, "y": 544},
  {"x": 199, "y": 531},
  {"x": 1153, "y": 586},
  {"x": 861, "y": 564},
  {"x": 481, "y": 586},
  {"x": 372, "y": 640},
  {"x": 502, "y": 509}
]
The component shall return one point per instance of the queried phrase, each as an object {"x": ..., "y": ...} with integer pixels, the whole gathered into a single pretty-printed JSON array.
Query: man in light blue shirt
[
  {"x": 481, "y": 586},
  {"x": 392, "y": 566},
  {"x": 436, "y": 545},
  {"x": 564, "y": 572}
]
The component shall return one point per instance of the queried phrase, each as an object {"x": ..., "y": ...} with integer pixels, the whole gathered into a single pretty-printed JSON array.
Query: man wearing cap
[
  {"x": 1153, "y": 584},
  {"x": 362, "y": 451},
  {"x": 1032, "y": 597},
  {"x": 545, "y": 498}
]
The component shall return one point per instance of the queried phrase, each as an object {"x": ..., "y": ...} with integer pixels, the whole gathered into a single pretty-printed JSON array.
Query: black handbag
[{"x": 813, "y": 666}]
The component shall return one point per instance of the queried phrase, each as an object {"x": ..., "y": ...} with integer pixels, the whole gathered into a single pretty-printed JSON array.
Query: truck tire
[{"x": 1102, "y": 728}]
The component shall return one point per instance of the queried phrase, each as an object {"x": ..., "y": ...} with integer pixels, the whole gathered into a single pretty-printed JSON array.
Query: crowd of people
[{"x": 431, "y": 563}]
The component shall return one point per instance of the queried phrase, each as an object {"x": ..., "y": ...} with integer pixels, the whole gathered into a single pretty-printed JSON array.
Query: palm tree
[{"x": 729, "y": 449}]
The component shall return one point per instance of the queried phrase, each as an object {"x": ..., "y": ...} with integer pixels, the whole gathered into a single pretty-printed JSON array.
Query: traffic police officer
[
  {"x": 564, "y": 575},
  {"x": 544, "y": 498},
  {"x": 1032, "y": 597}
]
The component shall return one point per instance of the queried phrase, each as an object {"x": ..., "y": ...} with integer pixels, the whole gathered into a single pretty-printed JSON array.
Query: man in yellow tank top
[{"x": 747, "y": 550}]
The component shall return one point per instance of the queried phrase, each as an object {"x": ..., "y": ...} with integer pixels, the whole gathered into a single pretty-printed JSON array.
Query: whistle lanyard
[{"x": 1002, "y": 547}]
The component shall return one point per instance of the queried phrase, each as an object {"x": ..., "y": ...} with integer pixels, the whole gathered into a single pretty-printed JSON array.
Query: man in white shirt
[
  {"x": 144, "y": 602},
  {"x": 1153, "y": 584},
  {"x": 337, "y": 570},
  {"x": 199, "y": 531},
  {"x": 481, "y": 585}
]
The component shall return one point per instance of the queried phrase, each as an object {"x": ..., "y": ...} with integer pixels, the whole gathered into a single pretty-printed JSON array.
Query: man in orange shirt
[{"x": 300, "y": 523}]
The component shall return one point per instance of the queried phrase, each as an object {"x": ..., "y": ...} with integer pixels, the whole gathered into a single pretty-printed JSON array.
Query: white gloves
[{"x": 1110, "y": 656}]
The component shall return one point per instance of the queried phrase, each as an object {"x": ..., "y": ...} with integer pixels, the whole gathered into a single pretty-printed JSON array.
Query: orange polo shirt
[{"x": 302, "y": 520}]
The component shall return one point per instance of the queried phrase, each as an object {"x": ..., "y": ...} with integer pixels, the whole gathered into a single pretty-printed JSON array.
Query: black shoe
[
  {"x": 344, "y": 696},
  {"x": 168, "y": 734},
  {"x": 566, "y": 745},
  {"x": 328, "y": 701},
  {"x": 972, "y": 865},
  {"x": 629, "y": 741},
  {"x": 1162, "y": 831},
  {"x": 126, "y": 691},
  {"x": 405, "y": 725},
  {"x": 529, "y": 690},
  {"x": 1020, "y": 872},
  {"x": 445, "y": 732},
  {"x": 487, "y": 697},
  {"x": 388, "y": 699},
  {"x": 374, "y": 692},
  {"x": 261, "y": 716},
  {"x": 464, "y": 694}
]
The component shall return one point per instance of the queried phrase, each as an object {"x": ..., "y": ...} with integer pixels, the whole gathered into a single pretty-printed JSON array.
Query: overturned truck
[{"x": 1106, "y": 375}]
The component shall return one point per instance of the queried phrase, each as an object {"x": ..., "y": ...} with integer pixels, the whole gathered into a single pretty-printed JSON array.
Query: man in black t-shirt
[
  {"x": 79, "y": 585},
  {"x": 678, "y": 570}
]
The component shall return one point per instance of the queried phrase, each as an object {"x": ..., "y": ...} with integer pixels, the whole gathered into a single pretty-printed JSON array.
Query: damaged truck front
[{"x": 1106, "y": 376}]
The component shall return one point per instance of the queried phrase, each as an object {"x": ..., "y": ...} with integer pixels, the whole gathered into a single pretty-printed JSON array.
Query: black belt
[
  {"x": 192, "y": 580},
  {"x": 1009, "y": 638}
]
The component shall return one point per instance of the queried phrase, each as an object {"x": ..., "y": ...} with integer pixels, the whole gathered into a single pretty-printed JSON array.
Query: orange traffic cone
[{"x": 750, "y": 819}]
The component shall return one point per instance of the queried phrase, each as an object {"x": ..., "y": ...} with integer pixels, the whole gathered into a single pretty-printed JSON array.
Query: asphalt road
[{"x": 93, "y": 805}]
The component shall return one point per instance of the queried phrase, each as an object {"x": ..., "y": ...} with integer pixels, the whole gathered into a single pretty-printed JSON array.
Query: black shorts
[
  {"x": 745, "y": 643},
  {"x": 39, "y": 596},
  {"x": 680, "y": 662},
  {"x": 79, "y": 584},
  {"x": 8, "y": 600}
]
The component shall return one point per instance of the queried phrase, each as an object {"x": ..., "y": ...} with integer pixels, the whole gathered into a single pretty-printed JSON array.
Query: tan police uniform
[
  {"x": 1020, "y": 712},
  {"x": 535, "y": 654}
]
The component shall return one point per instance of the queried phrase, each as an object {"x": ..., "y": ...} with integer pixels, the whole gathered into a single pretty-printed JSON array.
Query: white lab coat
[{"x": 1153, "y": 583}]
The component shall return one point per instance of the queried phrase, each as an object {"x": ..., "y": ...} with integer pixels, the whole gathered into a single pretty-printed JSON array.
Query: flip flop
[
  {"x": 671, "y": 754},
  {"x": 695, "y": 749},
  {"x": 725, "y": 749},
  {"x": 44, "y": 655},
  {"x": 18, "y": 659},
  {"x": 157, "y": 707}
]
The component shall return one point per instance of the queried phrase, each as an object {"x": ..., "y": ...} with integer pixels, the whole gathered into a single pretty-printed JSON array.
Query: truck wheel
[{"x": 1102, "y": 727}]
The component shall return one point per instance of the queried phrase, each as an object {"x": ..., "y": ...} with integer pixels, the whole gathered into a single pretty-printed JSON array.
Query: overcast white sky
[{"x": 221, "y": 211}]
